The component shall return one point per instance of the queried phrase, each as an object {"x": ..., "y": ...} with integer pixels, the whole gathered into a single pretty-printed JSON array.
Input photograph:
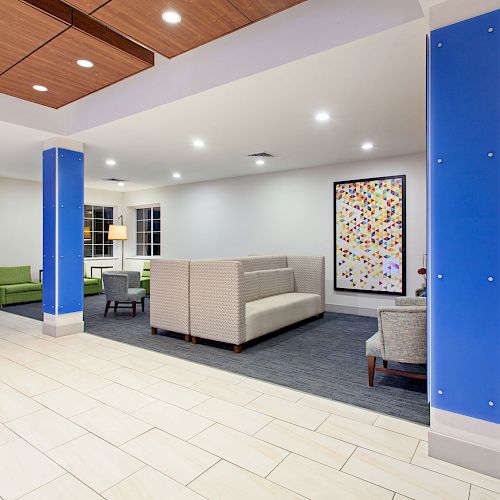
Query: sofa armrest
[
  {"x": 2, "y": 296},
  {"x": 309, "y": 274},
  {"x": 169, "y": 295},
  {"x": 217, "y": 301}
]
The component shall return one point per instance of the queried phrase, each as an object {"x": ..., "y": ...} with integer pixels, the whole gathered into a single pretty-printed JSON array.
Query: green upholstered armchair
[
  {"x": 146, "y": 276},
  {"x": 91, "y": 286},
  {"x": 16, "y": 286}
]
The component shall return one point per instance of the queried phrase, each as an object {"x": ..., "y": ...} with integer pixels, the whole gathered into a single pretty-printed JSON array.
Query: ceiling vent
[
  {"x": 115, "y": 180},
  {"x": 262, "y": 155}
]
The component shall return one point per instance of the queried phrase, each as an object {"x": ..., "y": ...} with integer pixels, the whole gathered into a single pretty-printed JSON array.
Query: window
[
  {"x": 97, "y": 220},
  {"x": 148, "y": 231}
]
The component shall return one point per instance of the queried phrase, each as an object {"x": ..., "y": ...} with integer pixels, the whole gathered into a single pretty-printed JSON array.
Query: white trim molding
[{"x": 465, "y": 441}]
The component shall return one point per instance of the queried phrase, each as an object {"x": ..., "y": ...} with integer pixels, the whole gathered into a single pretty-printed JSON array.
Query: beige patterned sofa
[{"x": 235, "y": 300}]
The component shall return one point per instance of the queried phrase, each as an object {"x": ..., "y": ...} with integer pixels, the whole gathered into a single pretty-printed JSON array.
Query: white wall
[
  {"x": 21, "y": 223},
  {"x": 279, "y": 213}
]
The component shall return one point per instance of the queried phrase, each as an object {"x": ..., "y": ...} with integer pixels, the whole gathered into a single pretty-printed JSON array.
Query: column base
[
  {"x": 63, "y": 324},
  {"x": 465, "y": 441}
]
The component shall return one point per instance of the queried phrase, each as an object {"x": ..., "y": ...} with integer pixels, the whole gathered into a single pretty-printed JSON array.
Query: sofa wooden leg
[
  {"x": 116, "y": 305},
  {"x": 142, "y": 304},
  {"x": 134, "y": 308},
  {"x": 154, "y": 331},
  {"x": 108, "y": 303},
  {"x": 187, "y": 337},
  {"x": 371, "y": 369},
  {"x": 237, "y": 348},
  {"x": 321, "y": 316},
  {"x": 385, "y": 363},
  {"x": 194, "y": 340}
]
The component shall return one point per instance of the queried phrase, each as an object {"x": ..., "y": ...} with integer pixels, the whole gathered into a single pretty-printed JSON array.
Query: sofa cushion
[
  {"x": 277, "y": 311},
  {"x": 259, "y": 263},
  {"x": 22, "y": 287},
  {"x": 251, "y": 286},
  {"x": 260, "y": 284},
  {"x": 91, "y": 281},
  {"x": 146, "y": 270},
  {"x": 15, "y": 275},
  {"x": 373, "y": 346}
]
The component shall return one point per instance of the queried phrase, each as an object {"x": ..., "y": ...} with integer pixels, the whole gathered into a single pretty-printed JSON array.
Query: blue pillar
[
  {"x": 464, "y": 243},
  {"x": 63, "y": 166}
]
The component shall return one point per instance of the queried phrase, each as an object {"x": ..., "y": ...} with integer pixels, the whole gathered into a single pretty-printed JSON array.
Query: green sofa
[
  {"x": 146, "y": 277},
  {"x": 91, "y": 286},
  {"x": 16, "y": 286}
]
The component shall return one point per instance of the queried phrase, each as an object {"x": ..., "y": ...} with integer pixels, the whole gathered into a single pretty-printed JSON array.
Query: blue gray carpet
[{"x": 325, "y": 357}]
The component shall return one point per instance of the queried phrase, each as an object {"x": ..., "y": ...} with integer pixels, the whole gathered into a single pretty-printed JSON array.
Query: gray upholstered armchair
[
  {"x": 124, "y": 287},
  {"x": 401, "y": 337}
]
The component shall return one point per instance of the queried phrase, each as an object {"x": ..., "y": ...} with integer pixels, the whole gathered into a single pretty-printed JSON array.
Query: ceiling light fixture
[
  {"x": 171, "y": 17},
  {"x": 84, "y": 63},
  {"x": 323, "y": 116},
  {"x": 367, "y": 146},
  {"x": 40, "y": 88},
  {"x": 260, "y": 162},
  {"x": 121, "y": 184},
  {"x": 198, "y": 143},
  {"x": 176, "y": 175},
  {"x": 110, "y": 162}
]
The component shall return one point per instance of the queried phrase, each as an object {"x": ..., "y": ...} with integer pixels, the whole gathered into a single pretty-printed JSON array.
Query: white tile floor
[{"x": 84, "y": 417}]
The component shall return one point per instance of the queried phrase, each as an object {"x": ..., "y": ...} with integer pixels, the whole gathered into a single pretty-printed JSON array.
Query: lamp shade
[{"x": 117, "y": 233}]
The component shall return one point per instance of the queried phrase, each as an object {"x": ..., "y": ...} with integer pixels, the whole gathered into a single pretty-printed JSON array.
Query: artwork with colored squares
[{"x": 369, "y": 234}]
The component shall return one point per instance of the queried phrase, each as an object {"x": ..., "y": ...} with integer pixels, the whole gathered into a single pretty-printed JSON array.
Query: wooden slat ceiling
[
  {"x": 22, "y": 30},
  {"x": 53, "y": 63},
  {"x": 87, "y": 6},
  {"x": 258, "y": 9},
  {"x": 202, "y": 20},
  {"x": 41, "y": 40}
]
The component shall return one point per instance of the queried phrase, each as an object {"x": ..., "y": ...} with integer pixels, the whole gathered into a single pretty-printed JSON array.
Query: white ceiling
[{"x": 374, "y": 89}]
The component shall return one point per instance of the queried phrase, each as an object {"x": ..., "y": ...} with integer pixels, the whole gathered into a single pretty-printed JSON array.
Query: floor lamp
[{"x": 118, "y": 233}]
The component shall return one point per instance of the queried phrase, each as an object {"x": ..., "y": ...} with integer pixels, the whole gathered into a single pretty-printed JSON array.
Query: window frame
[
  {"x": 146, "y": 236},
  {"x": 91, "y": 242}
]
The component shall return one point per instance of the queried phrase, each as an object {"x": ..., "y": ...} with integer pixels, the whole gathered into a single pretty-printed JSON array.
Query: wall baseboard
[
  {"x": 357, "y": 311},
  {"x": 465, "y": 454}
]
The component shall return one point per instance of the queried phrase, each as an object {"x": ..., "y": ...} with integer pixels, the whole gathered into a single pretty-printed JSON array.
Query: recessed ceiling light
[
  {"x": 323, "y": 116},
  {"x": 110, "y": 162},
  {"x": 260, "y": 162},
  {"x": 121, "y": 184},
  {"x": 40, "y": 88},
  {"x": 171, "y": 17},
  {"x": 198, "y": 143},
  {"x": 176, "y": 175},
  {"x": 367, "y": 146},
  {"x": 84, "y": 63}
]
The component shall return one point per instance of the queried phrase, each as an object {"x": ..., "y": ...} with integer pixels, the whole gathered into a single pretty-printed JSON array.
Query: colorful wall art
[{"x": 369, "y": 233}]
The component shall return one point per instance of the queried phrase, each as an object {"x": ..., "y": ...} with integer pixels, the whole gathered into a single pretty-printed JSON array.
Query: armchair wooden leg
[
  {"x": 371, "y": 369},
  {"x": 385, "y": 363},
  {"x": 237, "y": 348},
  {"x": 194, "y": 340},
  {"x": 134, "y": 308},
  {"x": 116, "y": 305},
  {"x": 187, "y": 338},
  {"x": 108, "y": 303},
  {"x": 154, "y": 331},
  {"x": 142, "y": 304}
]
